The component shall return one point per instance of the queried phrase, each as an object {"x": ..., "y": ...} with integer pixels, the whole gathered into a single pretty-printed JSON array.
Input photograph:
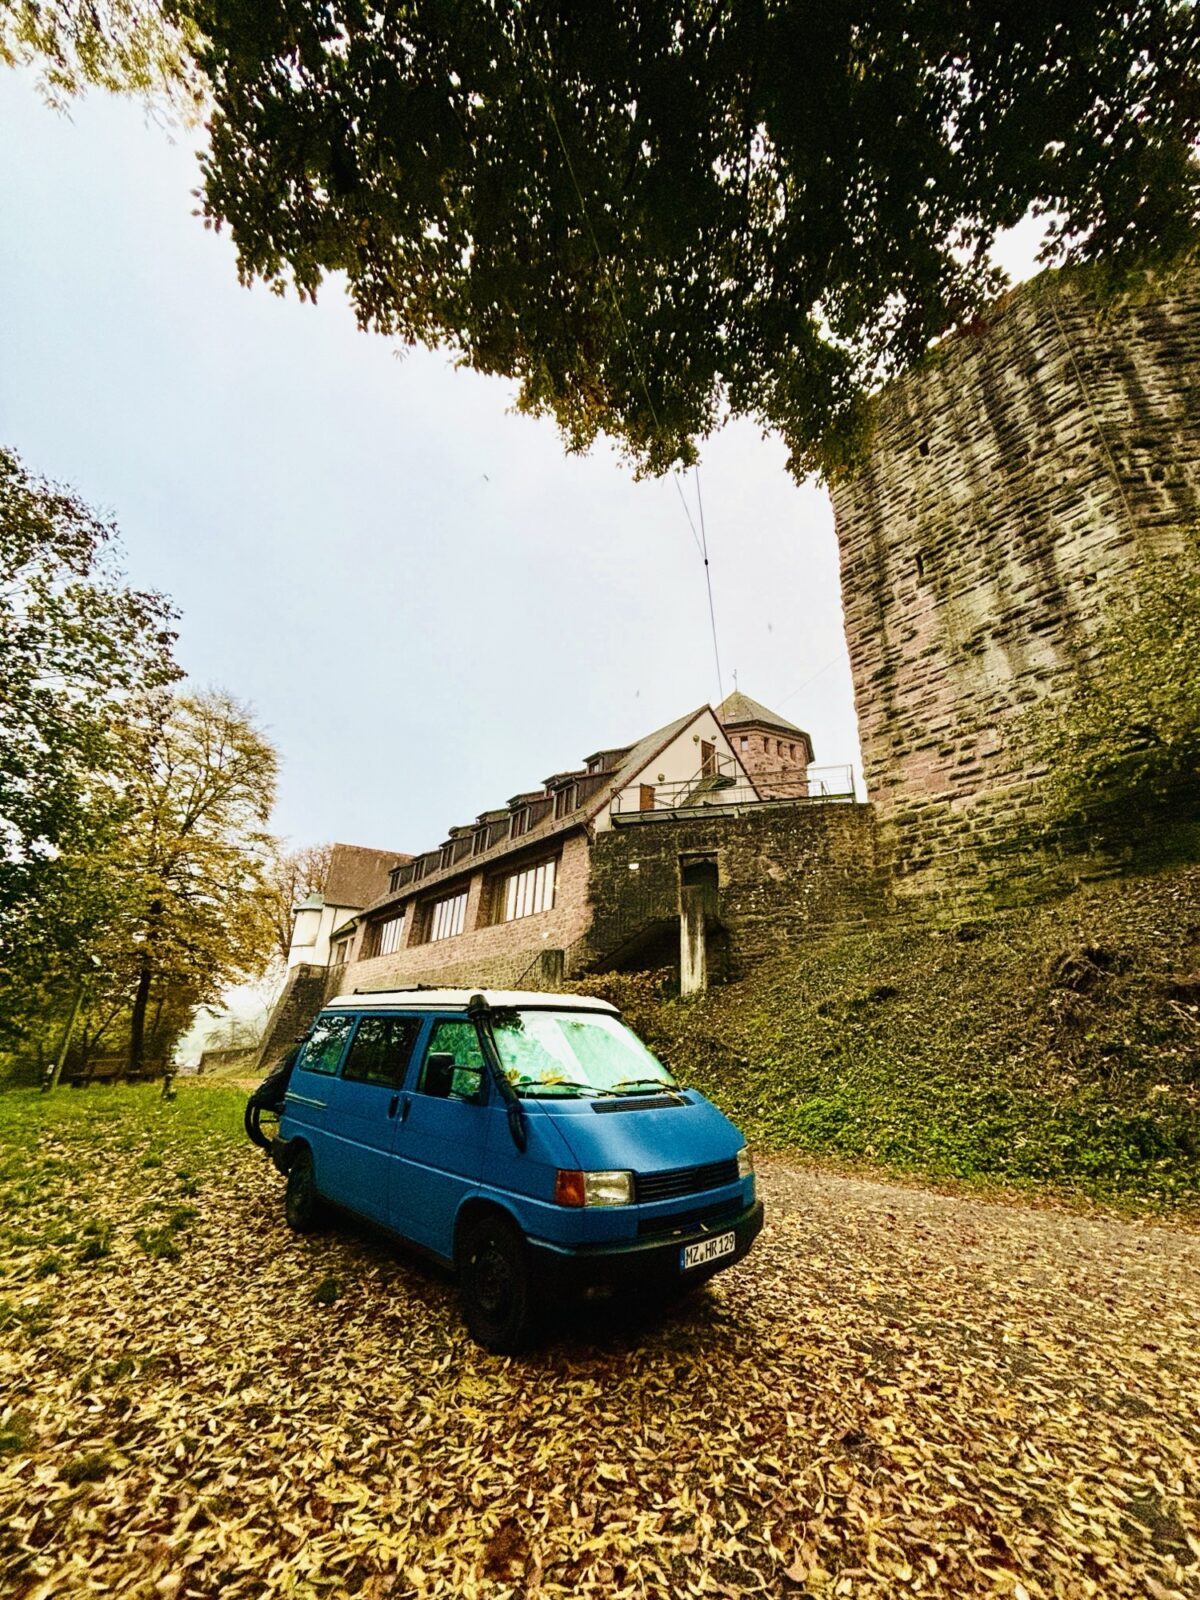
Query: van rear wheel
[
  {"x": 493, "y": 1280},
  {"x": 302, "y": 1203}
]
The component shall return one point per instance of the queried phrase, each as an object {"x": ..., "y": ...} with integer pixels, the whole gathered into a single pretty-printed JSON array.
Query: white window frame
[
  {"x": 448, "y": 917},
  {"x": 389, "y": 936},
  {"x": 529, "y": 891}
]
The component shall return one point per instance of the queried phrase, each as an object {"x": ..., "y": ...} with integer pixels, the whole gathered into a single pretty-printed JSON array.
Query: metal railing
[
  {"x": 730, "y": 788},
  {"x": 570, "y": 962}
]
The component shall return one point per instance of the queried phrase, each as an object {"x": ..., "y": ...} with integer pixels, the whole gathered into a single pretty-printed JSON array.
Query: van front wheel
[{"x": 493, "y": 1279}]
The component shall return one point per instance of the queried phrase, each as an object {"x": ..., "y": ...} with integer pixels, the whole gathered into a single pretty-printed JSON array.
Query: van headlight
[
  {"x": 593, "y": 1188},
  {"x": 745, "y": 1162}
]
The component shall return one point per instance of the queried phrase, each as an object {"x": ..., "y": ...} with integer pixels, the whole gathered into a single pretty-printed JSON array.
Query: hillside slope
[{"x": 1058, "y": 1045}]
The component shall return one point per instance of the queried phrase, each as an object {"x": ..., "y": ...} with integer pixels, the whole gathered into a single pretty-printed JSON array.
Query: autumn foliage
[{"x": 898, "y": 1393}]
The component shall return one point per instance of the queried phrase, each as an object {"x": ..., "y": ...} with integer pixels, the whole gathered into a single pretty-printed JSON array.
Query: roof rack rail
[{"x": 410, "y": 988}]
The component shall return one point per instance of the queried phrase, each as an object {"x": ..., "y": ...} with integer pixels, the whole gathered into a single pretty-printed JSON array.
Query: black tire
[
  {"x": 494, "y": 1283},
  {"x": 261, "y": 1116},
  {"x": 252, "y": 1121},
  {"x": 302, "y": 1202}
]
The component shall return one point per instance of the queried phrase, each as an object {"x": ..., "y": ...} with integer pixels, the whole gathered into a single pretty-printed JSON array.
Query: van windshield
[{"x": 573, "y": 1053}]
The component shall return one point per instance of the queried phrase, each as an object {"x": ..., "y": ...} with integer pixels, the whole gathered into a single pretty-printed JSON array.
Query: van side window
[
  {"x": 453, "y": 1068},
  {"x": 325, "y": 1044},
  {"x": 381, "y": 1050}
]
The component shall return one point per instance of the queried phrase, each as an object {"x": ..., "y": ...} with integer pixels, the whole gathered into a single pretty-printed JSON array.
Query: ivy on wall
[{"x": 1121, "y": 749}]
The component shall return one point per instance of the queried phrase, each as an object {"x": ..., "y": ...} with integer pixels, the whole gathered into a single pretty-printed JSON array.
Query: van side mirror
[
  {"x": 439, "y": 1073},
  {"x": 466, "y": 1083}
]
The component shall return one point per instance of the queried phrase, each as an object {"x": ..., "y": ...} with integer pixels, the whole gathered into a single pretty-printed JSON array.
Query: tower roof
[{"x": 738, "y": 710}]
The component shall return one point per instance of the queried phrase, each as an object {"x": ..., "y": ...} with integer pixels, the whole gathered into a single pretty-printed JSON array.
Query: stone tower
[
  {"x": 775, "y": 752},
  {"x": 1028, "y": 471}
]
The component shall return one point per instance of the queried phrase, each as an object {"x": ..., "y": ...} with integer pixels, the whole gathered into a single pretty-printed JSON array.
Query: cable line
[
  {"x": 699, "y": 539},
  {"x": 712, "y": 615},
  {"x": 833, "y": 660}
]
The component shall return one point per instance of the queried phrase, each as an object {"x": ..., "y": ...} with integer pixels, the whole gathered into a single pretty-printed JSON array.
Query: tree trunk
[
  {"x": 153, "y": 1040},
  {"x": 137, "y": 1021}
]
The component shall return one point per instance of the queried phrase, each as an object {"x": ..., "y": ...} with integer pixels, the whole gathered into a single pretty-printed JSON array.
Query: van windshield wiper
[
  {"x": 559, "y": 1083},
  {"x": 642, "y": 1083}
]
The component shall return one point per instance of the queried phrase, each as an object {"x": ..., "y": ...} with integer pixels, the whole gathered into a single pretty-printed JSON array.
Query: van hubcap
[{"x": 493, "y": 1280}]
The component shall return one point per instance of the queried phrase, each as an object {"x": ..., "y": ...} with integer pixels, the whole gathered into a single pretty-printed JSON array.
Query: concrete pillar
[
  {"x": 698, "y": 886},
  {"x": 693, "y": 954}
]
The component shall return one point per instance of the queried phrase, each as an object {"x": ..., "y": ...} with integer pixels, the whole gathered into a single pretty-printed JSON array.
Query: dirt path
[
  {"x": 898, "y": 1393},
  {"x": 1033, "y": 1373}
]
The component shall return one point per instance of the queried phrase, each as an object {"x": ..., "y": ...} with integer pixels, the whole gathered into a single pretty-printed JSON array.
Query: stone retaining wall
[{"x": 784, "y": 873}]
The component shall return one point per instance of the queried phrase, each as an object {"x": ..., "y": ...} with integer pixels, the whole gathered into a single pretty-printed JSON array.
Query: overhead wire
[
  {"x": 791, "y": 695},
  {"x": 700, "y": 539},
  {"x": 712, "y": 615}
]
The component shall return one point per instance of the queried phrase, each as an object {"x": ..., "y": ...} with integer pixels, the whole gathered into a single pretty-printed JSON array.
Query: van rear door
[
  {"x": 363, "y": 1106},
  {"x": 311, "y": 1085}
]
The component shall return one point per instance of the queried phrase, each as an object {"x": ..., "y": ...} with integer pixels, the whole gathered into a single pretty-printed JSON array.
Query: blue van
[{"x": 530, "y": 1141}]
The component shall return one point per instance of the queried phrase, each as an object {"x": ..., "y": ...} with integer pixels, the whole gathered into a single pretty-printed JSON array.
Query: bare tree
[{"x": 292, "y": 877}]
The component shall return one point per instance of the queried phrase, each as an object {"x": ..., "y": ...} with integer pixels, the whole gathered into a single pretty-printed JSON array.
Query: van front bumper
[{"x": 644, "y": 1262}]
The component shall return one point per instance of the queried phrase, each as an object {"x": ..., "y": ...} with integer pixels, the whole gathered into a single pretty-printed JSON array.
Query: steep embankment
[{"x": 1058, "y": 1046}]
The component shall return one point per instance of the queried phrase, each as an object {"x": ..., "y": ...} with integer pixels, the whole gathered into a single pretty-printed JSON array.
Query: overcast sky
[{"x": 428, "y": 605}]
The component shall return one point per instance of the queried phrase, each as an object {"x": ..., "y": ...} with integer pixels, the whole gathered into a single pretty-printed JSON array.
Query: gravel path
[{"x": 900, "y": 1392}]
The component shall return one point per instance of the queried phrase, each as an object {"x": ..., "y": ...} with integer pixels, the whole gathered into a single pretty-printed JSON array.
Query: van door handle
[
  {"x": 392, "y": 1104},
  {"x": 400, "y": 1101}
]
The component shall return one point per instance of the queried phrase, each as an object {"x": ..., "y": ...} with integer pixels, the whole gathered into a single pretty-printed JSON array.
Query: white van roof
[{"x": 456, "y": 1000}]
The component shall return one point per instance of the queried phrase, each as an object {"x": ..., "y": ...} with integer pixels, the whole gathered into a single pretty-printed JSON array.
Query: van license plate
[{"x": 699, "y": 1255}]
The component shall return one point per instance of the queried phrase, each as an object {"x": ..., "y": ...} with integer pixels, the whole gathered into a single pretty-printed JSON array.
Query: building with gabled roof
[
  {"x": 512, "y": 884},
  {"x": 355, "y": 877},
  {"x": 603, "y": 861}
]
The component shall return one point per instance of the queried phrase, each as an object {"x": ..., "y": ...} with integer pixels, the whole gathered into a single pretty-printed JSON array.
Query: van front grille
[
  {"x": 683, "y": 1221},
  {"x": 684, "y": 1180}
]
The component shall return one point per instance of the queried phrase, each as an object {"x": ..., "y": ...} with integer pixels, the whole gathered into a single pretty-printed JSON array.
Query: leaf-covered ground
[{"x": 898, "y": 1393}]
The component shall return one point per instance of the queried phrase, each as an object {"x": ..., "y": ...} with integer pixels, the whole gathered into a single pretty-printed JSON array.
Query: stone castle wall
[
  {"x": 785, "y": 873},
  {"x": 1015, "y": 482},
  {"x": 302, "y": 997}
]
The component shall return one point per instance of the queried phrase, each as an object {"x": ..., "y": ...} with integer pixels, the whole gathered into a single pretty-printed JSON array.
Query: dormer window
[
  {"x": 520, "y": 822},
  {"x": 563, "y": 800}
]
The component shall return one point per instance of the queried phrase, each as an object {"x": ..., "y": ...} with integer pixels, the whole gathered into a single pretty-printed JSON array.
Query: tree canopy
[
  {"x": 126, "y": 46},
  {"x": 199, "y": 785},
  {"x": 133, "y": 850},
  {"x": 80, "y": 652},
  {"x": 656, "y": 215}
]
